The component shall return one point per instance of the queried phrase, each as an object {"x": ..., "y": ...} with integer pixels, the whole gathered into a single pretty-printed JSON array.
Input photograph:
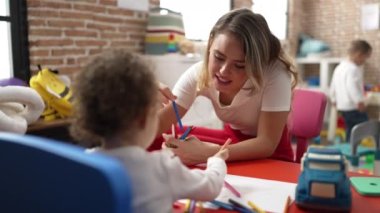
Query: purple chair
[{"x": 306, "y": 118}]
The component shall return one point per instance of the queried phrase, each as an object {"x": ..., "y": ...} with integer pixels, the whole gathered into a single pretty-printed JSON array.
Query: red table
[{"x": 288, "y": 172}]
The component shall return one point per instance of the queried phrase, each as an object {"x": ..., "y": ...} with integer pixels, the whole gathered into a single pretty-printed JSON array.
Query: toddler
[
  {"x": 347, "y": 86},
  {"x": 116, "y": 104}
]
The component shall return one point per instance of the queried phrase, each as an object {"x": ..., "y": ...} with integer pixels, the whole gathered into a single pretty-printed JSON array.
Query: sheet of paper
[{"x": 267, "y": 194}]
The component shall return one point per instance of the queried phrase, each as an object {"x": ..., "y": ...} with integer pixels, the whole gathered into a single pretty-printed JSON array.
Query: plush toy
[
  {"x": 55, "y": 91},
  {"x": 19, "y": 106},
  {"x": 186, "y": 46}
]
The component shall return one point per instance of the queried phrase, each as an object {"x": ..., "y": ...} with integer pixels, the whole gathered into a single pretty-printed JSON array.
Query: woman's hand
[
  {"x": 192, "y": 151},
  {"x": 166, "y": 94}
]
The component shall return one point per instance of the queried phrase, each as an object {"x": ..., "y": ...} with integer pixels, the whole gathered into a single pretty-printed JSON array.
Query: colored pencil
[
  {"x": 187, "y": 206},
  {"x": 230, "y": 206},
  {"x": 201, "y": 209},
  {"x": 222, "y": 205},
  {"x": 287, "y": 204},
  {"x": 232, "y": 189},
  {"x": 228, "y": 141},
  {"x": 193, "y": 204},
  {"x": 173, "y": 131},
  {"x": 186, "y": 133},
  {"x": 238, "y": 203},
  {"x": 177, "y": 115},
  {"x": 255, "y": 207}
]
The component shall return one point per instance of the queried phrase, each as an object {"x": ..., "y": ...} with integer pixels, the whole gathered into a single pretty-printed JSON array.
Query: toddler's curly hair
[{"x": 111, "y": 93}]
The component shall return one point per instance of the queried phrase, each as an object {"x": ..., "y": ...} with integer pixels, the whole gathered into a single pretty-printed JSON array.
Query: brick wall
[
  {"x": 64, "y": 33},
  {"x": 336, "y": 22}
]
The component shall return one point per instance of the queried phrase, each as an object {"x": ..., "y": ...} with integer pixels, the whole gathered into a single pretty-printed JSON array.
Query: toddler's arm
[{"x": 195, "y": 183}]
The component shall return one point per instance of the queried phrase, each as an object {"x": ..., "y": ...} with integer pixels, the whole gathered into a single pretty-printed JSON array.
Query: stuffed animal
[
  {"x": 19, "y": 106},
  {"x": 186, "y": 46}
]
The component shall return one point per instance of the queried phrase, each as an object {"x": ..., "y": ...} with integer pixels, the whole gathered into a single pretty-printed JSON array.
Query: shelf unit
[{"x": 326, "y": 68}]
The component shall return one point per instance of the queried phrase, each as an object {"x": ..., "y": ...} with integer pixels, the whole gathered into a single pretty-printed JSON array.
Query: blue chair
[{"x": 43, "y": 175}]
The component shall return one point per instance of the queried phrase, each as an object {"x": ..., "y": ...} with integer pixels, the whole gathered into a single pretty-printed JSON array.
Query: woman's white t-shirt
[{"x": 244, "y": 111}]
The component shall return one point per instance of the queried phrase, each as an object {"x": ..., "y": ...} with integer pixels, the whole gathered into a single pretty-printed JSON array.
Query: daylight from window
[
  {"x": 5, "y": 50},
  {"x": 198, "y": 20},
  {"x": 276, "y": 16},
  {"x": 4, "y": 7}
]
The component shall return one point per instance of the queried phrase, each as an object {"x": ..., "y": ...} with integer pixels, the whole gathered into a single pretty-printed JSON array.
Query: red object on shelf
[{"x": 341, "y": 123}]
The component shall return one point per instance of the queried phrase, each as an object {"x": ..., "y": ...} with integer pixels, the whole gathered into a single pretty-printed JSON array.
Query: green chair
[{"x": 353, "y": 150}]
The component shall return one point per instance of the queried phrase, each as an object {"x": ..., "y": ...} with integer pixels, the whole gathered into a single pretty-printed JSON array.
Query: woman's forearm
[
  {"x": 250, "y": 149},
  {"x": 244, "y": 150}
]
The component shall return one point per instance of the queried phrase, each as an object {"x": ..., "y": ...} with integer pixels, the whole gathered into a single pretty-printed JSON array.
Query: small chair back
[
  {"x": 360, "y": 131},
  {"x": 43, "y": 175},
  {"x": 306, "y": 117}
]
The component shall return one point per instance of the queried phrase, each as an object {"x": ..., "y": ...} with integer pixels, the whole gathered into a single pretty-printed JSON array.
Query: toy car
[{"x": 323, "y": 183}]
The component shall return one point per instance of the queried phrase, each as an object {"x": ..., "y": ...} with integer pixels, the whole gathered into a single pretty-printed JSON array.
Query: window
[
  {"x": 5, "y": 35},
  {"x": 14, "y": 40},
  {"x": 199, "y": 16},
  {"x": 276, "y": 17}
]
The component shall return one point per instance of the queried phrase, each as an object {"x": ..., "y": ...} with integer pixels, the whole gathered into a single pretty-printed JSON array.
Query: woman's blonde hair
[
  {"x": 110, "y": 94},
  {"x": 261, "y": 47}
]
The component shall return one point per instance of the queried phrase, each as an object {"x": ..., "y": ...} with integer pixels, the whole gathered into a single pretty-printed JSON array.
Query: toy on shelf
[
  {"x": 19, "y": 107},
  {"x": 323, "y": 183},
  {"x": 172, "y": 46},
  {"x": 164, "y": 31},
  {"x": 55, "y": 91}
]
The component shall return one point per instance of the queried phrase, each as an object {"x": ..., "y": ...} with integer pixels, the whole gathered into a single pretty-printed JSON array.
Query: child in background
[
  {"x": 116, "y": 103},
  {"x": 347, "y": 86}
]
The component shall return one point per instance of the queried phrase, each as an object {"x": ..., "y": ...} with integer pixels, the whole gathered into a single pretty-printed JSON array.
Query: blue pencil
[
  {"x": 177, "y": 115},
  {"x": 222, "y": 205},
  {"x": 230, "y": 206},
  {"x": 186, "y": 133},
  {"x": 236, "y": 203}
]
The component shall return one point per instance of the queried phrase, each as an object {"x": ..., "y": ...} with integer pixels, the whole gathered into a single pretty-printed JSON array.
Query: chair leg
[{"x": 301, "y": 148}]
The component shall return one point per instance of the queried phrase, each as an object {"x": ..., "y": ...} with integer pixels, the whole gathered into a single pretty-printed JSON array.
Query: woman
[{"x": 248, "y": 79}]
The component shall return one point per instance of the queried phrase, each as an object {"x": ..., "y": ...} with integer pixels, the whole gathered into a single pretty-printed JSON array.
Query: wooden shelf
[{"x": 43, "y": 125}]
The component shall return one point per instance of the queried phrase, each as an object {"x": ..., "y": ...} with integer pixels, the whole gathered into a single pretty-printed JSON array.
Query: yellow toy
[{"x": 56, "y": 94}]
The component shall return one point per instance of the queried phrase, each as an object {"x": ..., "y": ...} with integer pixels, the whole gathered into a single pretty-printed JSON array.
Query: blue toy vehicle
[{"x": 323, "y": 183}]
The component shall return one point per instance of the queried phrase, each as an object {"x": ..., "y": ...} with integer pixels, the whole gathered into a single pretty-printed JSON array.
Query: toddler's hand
[
  {"x": 223, "y": 153},
  {"x": 168, "y": 140}
]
